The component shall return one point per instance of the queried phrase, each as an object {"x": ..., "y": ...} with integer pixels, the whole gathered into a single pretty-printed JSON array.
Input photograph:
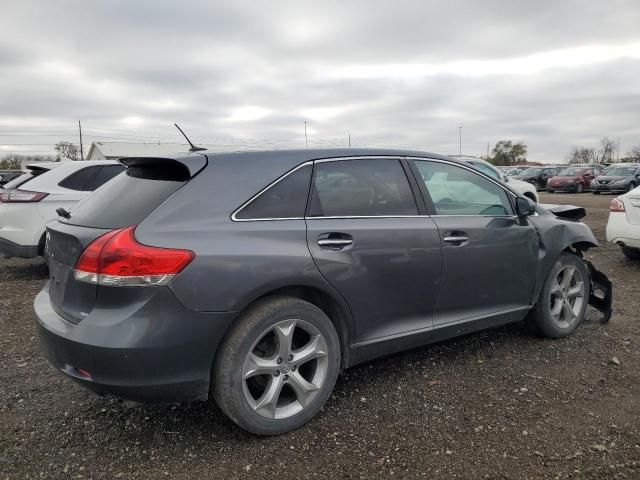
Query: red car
[{"x": 571, "y": 179}]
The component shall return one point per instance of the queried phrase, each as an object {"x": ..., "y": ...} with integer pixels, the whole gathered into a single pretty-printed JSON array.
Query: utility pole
[
  {"x": 459, "y": 140},
  {"x": 80, "y": 130},
  {"x": 618, "y": 151},
  {"x": 306, "y": 140},
  {"x": 349, "y": 140},
  {"x": 487, "y": 150}
]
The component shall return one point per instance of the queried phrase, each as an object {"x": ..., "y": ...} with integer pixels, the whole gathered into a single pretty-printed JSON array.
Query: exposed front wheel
[
  {"x": 563, "y": 301},
  {"x": 277, "y": 367}
]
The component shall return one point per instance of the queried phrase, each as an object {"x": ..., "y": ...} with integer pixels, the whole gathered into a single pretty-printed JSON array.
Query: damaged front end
[
  {"x": 600, "y": 292},
  {"x": 559, "y": 228}
]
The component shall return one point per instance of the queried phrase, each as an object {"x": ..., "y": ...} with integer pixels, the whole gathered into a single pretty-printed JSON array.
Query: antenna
[{"x": 193, "y": 147}]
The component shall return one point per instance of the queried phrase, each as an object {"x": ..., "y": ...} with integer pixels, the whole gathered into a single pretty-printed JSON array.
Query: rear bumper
[
  {"x": 11, "y": 249},
  {"x": 159, "y": 352},
  {"x": 622, "y": 232}
]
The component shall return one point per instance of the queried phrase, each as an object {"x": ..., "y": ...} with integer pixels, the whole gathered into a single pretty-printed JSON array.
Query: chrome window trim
[
  {"x": 275, "y": 182},
  {"x": 311, "y": 162}
]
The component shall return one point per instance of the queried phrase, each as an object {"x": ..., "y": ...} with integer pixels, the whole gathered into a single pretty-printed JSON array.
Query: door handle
[
  {"x": 334, "y": 241},
  {"x": 456, "y": 239}
]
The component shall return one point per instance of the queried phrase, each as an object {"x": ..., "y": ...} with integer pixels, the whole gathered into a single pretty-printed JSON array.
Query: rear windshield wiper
[{"x": 63, "y": 213}]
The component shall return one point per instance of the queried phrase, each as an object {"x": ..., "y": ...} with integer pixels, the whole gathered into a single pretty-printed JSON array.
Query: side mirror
[
  {"x": 524, "y": 207},
  {"x": 506, "y": 178}
]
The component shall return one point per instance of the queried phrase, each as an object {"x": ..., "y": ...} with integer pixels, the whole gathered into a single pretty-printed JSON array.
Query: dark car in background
[
  {"x": 7, "y": 175},
  {"x": 571, "y": 179},
  {"x": 618, "y": 178},
  {"x": 256, "y": 277},
  {"x": 537, "y": 176}
]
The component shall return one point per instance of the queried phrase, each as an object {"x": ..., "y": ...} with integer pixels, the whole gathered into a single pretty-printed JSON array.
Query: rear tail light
[
  {"x": 21, "y": 196},
  {"x": 617, "y": 205},
  {"x": 116, "y": 259}
]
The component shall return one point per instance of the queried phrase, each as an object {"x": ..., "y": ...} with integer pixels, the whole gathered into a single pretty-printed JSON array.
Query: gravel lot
[{"x": 497, "y": 404}]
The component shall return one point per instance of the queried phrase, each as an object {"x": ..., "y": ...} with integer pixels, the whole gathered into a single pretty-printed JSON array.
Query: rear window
[
  {"x": 80, "y": 179},
  {"x": 125, "y": 201}
]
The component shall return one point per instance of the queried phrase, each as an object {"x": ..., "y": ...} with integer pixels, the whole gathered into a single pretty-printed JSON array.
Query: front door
[
  {"x": 369, "y": 241},
  {"x": 489, "y": 257}
]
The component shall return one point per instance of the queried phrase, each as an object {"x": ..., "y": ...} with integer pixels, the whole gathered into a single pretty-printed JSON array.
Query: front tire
[
  {"x": 631, "y": 253},
  {"x": 632, "y": 185},
  {"x": 277, "y": 367},
  {"x": 579, "y": 188},
  {"x": 563, "y": 300},
  {"x": 596, "y": 193}
]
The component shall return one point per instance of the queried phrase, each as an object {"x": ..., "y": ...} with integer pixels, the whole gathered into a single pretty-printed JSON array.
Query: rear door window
[
  {"x": 361, "y": 188},
  {"x": 287, "y": 198}
]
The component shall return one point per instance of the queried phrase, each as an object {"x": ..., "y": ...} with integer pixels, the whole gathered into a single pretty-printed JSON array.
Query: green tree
[{"x": 508, "y": 153}]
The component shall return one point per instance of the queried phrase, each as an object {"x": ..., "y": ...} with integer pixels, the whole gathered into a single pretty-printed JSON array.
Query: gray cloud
[{"x": 249, "y": 74}]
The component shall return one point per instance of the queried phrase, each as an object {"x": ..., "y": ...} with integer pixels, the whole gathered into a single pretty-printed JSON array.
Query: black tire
[
  {"x": 579, "y": 188},
  {"x": 631, "y": 253},
  {"x": 536, "y": 185},
  {"x": 596, "y": 193},
  {"x": 632, "y": 185},
  {"x": 541, "y": 318},
  {"x": 229, "y": 387},
  {"x": 549, "y": 190}
]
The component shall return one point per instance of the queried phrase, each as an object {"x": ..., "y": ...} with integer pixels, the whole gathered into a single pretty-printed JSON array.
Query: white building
[{"x": 116, "y": 150}]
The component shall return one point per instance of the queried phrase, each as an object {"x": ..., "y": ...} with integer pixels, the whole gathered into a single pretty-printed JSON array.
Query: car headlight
[{"x": 618, "y": 182}]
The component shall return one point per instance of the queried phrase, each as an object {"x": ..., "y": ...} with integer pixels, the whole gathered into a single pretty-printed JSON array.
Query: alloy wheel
[
  {"x": 285, "y": 369},
  {"x": 567, "y": 296},
  {"x": 579, "y": 188}
]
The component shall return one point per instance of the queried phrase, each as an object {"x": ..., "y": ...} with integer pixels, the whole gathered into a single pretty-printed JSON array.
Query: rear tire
[
  {"x": 563, "y": 300},
  {"x": 632, "y": 185},
  {"x": 631, "y": 253},
  {"x": 277, "y": 366},
  {"x": 596, "y": 193},
  {"x": 579, "y": 188},
  {"x": 549, "y": 190}
]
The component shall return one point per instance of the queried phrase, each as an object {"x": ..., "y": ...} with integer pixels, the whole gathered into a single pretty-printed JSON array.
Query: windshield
[
  {"x": 532, "y": 171},
  {"x": 621, "y": 171},
  {"x": 573, "y": 172}
]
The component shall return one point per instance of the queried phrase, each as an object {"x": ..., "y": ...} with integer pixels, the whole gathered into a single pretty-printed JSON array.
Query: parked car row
[{"x": 618, "y": 178}]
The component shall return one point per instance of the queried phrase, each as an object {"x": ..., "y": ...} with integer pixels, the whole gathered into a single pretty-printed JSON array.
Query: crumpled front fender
[{"x": 600, "y": 292}]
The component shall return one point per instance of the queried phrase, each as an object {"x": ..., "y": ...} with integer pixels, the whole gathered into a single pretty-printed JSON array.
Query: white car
[
  {"x": 523, "y": 188},
  {"x": 623, "y": 227},
  {"x": 31, "y": 200}
]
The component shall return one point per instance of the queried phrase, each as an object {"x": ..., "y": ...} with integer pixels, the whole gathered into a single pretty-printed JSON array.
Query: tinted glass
[
  {"x": 285, "y": 199},
  {"x": 621, "y": 171},
  {"x": 573, "y": 172},
  {"x": 458, "y": 191},
  {"x": 125, "y": 201},
  {"x": 79, "y": 180},
  {"x": 532, "y": 171},
  {"x": 361, "y": 188},
  {"x": 105, "y": 174}
]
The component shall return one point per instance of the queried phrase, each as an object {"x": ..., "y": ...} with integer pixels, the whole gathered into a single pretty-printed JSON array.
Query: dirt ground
[{"x": 499, "y": 404}]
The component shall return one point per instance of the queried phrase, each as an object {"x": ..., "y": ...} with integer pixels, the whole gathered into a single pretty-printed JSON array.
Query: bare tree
[
  {"x": 66, "y": 150},
  {"x": 634, "y": 154},
  {"x": 607, "y": 150},
  {"x": 581, "y": 155}
]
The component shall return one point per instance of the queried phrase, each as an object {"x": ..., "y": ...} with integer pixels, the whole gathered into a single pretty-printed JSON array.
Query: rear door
[
  {"x": 370, "y": 241},
  {"x": 489, "y": 258}
]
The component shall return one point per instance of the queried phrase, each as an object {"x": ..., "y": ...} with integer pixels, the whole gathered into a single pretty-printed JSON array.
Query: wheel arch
[{"x": 330, "y": 303}]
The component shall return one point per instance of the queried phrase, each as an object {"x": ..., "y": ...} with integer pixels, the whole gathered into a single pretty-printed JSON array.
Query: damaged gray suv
[{"x": 255, "y": 278}]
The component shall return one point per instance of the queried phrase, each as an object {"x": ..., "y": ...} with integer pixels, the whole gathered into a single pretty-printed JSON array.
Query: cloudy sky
[{"x": 249, "y": 74}]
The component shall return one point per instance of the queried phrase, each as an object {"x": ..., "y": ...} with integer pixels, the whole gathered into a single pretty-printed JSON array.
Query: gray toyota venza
[{"x": 257, "y": 277}]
